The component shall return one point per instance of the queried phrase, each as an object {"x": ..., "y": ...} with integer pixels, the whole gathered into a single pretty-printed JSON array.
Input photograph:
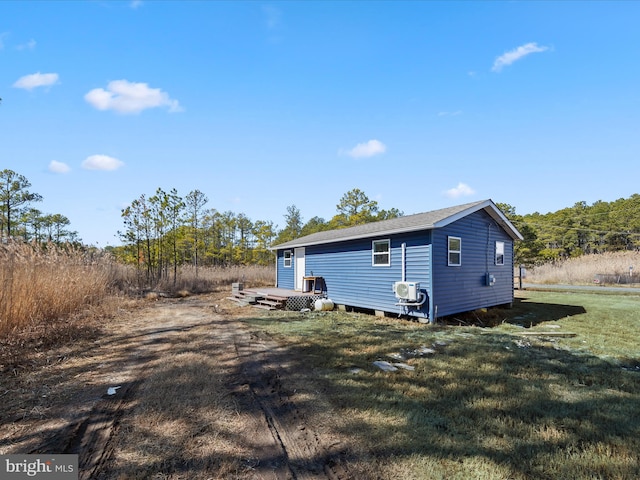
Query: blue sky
[{"x": 262, "y": 105}]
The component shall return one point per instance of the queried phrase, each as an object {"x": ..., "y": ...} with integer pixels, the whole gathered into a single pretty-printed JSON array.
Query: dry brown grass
[
  {"x": 185, "y": 423},
  {"x": 39, "y": 287},
  {"x": 44, "y": 286},
  {"x": 583, "y": 269},
  {"x": 208, "y": 279},
  {"x": 55, "y": 297}
]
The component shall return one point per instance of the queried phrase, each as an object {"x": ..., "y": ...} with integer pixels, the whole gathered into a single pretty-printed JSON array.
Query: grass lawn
[{"x": 482, "y": 403}]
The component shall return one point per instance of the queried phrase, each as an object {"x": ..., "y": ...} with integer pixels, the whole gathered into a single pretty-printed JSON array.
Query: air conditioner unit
[{"x": 409, "y": 291}]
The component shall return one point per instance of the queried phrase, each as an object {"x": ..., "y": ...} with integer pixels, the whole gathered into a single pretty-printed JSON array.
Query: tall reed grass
[
  {"x": 208, "y": 279},
  {"x": 583, "y": 269},
  {"x": 42, "y": 286}
]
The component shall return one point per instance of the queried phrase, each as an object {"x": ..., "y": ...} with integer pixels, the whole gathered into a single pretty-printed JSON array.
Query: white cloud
[
  {"x": 135, "y": 4},
  {"x": 450, "y": 114},
  {"x": 272, "y": 15},
  {"x": 58, "y": 167},
  {"x": 368, "y": 149},
  {"x": 462, "y": 190},
  {"x": 30, "y": 45},
  {"x": 101, "y": 162},
  {"x": 128, "y": 97},
  {"x": 29, "y": 82},
  {"x": 516, "y": 54}
]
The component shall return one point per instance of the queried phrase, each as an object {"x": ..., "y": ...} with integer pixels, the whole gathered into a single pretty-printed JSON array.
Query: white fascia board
[{"x": 492, "y": 210}]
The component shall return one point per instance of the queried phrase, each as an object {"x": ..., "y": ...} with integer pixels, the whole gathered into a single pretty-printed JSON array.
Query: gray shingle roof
[{"x": 407, "y": 223}]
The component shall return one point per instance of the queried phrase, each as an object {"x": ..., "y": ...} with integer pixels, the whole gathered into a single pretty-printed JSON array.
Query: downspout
[
  {"x": 486, "y": 254},
  {"x": 432, "y": 312},
  {"x": 404, "y": 253},
  {"x": 276, "y": 285}
]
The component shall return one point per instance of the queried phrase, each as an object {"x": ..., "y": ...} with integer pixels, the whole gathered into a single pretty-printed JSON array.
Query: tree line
[
  {"x": 19, "y": 220},
  {"x": 577, "y": 230},
  {"x": 164, "y": 230}
]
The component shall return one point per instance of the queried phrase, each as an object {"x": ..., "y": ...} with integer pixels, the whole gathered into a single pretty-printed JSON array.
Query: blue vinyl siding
[
  {"x": 286, "y": 277},
  {"x": 463, "y": 288},
  {"x": 352, "y": 280}
]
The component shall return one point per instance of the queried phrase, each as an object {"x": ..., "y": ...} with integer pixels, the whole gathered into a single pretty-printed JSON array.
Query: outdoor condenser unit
[{"x": 409, "y": 291}]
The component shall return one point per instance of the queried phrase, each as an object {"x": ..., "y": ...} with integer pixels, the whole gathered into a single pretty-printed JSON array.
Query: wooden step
[
  {"x": 276, "y": 298},
  {"x": 273, "y": 303},
  {"x": 264, "y": 307},
  {"x": 246, "y": 298}
]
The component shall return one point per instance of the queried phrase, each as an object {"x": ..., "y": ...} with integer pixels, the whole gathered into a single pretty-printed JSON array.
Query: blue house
[{"x": 425, "y": 265}]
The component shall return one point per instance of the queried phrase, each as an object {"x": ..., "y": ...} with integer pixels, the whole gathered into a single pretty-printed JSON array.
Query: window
[
  {"x": 381, "y": 254},
  {"x": 499, "y": 253},
  {"x": 455, "y": 251},
  {"x": 287, "y": 258}
]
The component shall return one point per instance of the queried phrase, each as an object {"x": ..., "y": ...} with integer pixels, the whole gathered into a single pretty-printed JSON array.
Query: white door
[{"x": 298, "y": 255}]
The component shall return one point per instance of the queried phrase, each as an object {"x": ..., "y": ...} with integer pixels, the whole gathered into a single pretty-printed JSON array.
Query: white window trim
[
  {"x": 374, "y": 253},
  {"x": 287, "y": 259},
  {"x": 499, "y": 252},
  {"x": 449, "y": 252}
]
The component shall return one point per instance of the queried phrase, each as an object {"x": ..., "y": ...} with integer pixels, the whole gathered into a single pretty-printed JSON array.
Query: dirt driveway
[{"x": 196, "y": 395}]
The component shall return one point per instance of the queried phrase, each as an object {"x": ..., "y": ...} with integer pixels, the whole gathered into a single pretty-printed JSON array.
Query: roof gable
[{"x": 407, "y": 223}]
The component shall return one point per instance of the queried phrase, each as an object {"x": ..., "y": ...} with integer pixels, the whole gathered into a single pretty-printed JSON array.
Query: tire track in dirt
[
  {"x": 307, "y": 457},
  {"x": 287, "y": 445},
  {"x": 90, "y": 437}
]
